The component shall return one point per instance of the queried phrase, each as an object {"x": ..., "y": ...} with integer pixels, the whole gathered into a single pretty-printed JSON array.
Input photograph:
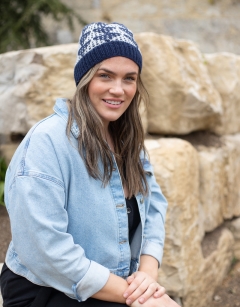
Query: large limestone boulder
[
  {"x": 219, "y": 177},
  {"x": 211, "y": 272},
  {"x": 183, "y": 98},
  {"x": 7, "y": 151},
  {"x": 30, "y": 81},
  {"x": 212, "y": 185},
  {"x": 232, "y": 169},
  {"x": 224, "y": 70},
  {"x": 176, "y": 169},
  {"x": 186, "y": 271}
]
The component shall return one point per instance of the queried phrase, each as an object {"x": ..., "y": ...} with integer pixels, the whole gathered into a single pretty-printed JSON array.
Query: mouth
[{"x": 113, "y": 102}]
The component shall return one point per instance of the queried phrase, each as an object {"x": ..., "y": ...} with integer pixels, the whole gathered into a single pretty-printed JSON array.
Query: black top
[{"x": 133, "y": 216}]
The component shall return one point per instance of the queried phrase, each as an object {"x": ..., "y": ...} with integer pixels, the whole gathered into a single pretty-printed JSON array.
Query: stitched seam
[{"x": 39, "y": 175}]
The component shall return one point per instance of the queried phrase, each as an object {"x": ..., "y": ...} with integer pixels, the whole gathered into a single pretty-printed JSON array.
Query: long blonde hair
[{"x": 127, "y": 134}]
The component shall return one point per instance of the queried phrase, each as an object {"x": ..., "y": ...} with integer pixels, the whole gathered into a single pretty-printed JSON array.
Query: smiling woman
[{"x": 87, "y": 216}]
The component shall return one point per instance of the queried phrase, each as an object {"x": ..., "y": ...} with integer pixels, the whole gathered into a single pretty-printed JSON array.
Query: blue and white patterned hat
[{"x": 100, "y": 41}]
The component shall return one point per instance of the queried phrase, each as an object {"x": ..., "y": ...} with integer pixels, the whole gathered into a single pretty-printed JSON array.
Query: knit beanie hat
[{"x": 100, "y": 41}]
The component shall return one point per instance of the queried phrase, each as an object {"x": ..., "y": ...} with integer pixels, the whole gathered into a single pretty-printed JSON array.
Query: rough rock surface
[
  {"x": 7, "y": 151},
  {"x": 232, "y": 169},
  {"x": 224, "y": 70},
  {"x": 211, "y": 272},
  {"x": 30, "y": 82},
  {"x": 211, "y": 186},
  {"x": 219, "y": 179},
  {"x": 176, "y": 169},
  {"x": 185, "y": 272},
  {"x": 213, "y": 25},
  {"x": 182, "y": 97}
]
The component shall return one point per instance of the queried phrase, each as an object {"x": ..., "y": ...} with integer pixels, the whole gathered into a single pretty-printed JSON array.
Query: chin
[{"x": 111, "y": 119}]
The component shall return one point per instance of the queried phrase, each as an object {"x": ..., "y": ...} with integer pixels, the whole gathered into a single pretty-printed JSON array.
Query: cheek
[
  {"x": 132, "y": 92},
  {"x": 94, "y": 88}
]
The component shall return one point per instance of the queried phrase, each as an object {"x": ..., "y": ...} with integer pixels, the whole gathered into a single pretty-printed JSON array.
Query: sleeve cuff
[
  {"x": 153, "y": 249},
  {"x": 93, "y": 281}
]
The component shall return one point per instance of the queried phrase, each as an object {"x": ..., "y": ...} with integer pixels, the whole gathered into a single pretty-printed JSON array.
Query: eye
[
  {"x": 104, "y": 76},
  {"x": 130, "y": 78}
]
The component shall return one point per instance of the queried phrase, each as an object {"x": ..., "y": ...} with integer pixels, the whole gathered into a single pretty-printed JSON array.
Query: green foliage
[
  {"x": 3, "y": 168},
  {"x": 21, "y": 24}
]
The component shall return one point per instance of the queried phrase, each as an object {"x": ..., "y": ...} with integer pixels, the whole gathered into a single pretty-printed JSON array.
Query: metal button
[
  {"x": 114, "y": 169},
  {"x": 141, "y": 200},
  {"x": 122, "y": 242},
  {"x": 129, "y": 210},
  {"x": 120, "y": 205}
]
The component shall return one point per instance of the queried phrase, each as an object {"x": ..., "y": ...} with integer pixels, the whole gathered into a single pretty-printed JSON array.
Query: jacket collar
[{"x": 61, "y": 109}]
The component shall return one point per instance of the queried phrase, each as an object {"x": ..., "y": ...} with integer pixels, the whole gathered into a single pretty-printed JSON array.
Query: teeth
[{"x": 113, "y": 102}]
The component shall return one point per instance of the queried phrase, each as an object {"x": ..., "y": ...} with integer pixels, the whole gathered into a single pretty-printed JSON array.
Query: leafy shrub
[
  {"x": 21, "y": 22},
  {"x": 3, "y": 169}
]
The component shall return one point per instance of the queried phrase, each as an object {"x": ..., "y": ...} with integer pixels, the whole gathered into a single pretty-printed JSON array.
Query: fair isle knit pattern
[{"x": 100, "y": 41}]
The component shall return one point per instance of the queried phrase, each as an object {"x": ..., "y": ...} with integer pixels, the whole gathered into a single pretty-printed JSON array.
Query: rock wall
[
  {"x": 193, "y": 263},
  {"x": 214, "y": 25},
  {"x": 192, "y": 135}
]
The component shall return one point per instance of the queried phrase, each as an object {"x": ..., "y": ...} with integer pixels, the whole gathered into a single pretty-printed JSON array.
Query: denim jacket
[{"x": 68, "y": 231}]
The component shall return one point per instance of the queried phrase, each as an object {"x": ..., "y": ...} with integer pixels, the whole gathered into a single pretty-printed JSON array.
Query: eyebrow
[{"x": 113, "y": 73}]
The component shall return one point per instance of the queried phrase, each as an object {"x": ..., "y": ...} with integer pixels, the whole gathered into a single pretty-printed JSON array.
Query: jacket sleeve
[
  {"x": 36, "y": 203},
  {"x": 156, "y": 207}
]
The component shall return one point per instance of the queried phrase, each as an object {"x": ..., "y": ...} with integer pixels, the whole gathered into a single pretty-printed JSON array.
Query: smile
[{"x": 114, "y": 102}]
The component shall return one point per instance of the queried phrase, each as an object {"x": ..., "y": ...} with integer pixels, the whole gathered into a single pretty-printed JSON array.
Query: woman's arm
[
  {"x": 149, "y": 265},
  {"x": 118, "y": 290},
  {"x": 40, "y": 238},
  {"x": 113, "y": 290}
]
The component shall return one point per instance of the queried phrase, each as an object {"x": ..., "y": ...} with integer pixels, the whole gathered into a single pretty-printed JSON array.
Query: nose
[{"x": 116, "y": 88}]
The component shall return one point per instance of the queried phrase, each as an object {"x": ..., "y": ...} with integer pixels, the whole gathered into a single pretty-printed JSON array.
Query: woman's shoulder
[
  {"x": 46, "y": 141},
  {"x": 52, "y": 126}
]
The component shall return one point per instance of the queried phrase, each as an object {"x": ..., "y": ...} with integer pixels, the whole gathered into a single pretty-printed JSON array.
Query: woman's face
[{"x": 113, "y": 87}]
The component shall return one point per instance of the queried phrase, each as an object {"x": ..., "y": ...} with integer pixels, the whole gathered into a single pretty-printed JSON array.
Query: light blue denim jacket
[{"x": 68, "y": 231}]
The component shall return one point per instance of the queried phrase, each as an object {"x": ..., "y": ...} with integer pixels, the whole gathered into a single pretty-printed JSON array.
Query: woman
[{"x": 87, "y": 216}]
